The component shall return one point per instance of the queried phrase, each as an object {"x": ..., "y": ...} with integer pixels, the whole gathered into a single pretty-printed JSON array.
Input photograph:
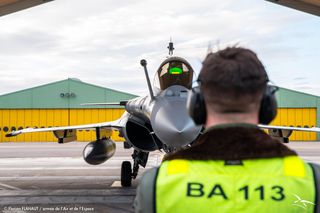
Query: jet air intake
[{"x": 97, "y": 152}]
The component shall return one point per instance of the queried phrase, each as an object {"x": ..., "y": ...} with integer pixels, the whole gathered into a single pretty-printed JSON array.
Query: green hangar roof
[
  {"x": 287, "y": 98},
  {"x": 69, "y": 93}
]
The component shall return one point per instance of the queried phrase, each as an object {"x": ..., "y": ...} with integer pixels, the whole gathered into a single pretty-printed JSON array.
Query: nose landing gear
[{"x": 128, "y": 173}]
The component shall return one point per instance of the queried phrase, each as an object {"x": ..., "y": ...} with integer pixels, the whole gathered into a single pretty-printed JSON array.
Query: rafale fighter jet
[
  {"x": 156, "y": 122},
  {"x": 159, "y": 121}
]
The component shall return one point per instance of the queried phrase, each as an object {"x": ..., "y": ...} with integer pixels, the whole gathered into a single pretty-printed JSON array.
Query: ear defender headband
[{"x": 268, "y": 106}]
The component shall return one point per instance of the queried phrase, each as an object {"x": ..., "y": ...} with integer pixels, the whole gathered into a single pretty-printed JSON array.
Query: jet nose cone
[{"x": 172, "y": 124}]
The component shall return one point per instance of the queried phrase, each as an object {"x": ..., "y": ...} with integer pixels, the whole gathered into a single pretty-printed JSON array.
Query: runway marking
[
  {"x": 116, "y": 184},
  {"x": 68, "y": 162},
  {"x": 69, "y": 192},
  {"x": 115, "y": 158},
  {"x": 311, "y": 159},
  {"x": 63, "y": 168},
  {"x": 159, "y": 159},
  {"x": 75, "y": 178},
  {"x": 8, "y": 187}
]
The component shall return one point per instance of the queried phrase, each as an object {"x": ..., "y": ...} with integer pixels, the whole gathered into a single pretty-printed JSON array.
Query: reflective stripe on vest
[{"x": 260, "y": 185}]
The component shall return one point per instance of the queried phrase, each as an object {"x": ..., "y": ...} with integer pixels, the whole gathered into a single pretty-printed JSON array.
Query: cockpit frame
[{"x": 167, "y": 79}]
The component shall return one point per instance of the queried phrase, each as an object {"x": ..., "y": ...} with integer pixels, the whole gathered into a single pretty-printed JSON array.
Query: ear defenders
[
  {"x": 268, "y": 105},
  {"x": 197, "y": 108}
]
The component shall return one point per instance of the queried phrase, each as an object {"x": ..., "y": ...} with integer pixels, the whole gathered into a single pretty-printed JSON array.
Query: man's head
[{"x": 232, "y": 82}]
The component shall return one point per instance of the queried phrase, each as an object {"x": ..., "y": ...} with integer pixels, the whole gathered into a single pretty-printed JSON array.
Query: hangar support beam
[
  {"x": 11, "y": 6},
  {"x": 308, "y": 6}
]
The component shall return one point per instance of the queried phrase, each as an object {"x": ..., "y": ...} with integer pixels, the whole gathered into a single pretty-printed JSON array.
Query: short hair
[{"x": 232, "y": 79}]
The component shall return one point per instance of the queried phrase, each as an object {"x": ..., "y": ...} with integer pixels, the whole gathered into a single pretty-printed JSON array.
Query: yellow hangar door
[
  {"x": 298, "y": 117},
  {"x": 14, "y": 119}
]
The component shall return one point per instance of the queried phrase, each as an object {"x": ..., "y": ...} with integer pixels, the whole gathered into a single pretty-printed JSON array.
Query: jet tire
[{"x": 126, "y": 174}]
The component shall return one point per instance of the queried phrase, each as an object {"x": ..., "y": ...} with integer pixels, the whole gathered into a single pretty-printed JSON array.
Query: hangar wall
[
  {"x": 58, "y": 104},
  {"x": 13, "y": 119},
  {"x": 297, "y": 117},
  {"x": 299, "y": 110}
]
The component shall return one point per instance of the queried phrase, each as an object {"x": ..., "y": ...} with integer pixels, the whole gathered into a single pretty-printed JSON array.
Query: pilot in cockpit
[{"x": 175, "y": 71}]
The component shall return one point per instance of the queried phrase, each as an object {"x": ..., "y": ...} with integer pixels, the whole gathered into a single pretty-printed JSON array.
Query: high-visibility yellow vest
[{"x": 260, "y": 185}]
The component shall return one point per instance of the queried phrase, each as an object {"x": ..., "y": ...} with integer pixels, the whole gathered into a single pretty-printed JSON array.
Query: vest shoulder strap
[{"x": 316, "y": 175}]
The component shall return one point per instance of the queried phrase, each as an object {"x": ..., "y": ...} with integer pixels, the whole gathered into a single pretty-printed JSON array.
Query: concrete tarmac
[{"x": 51, "y": 177}]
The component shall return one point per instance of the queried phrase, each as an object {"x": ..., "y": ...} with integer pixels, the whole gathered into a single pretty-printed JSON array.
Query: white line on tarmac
[
  {"x": 63, "y": 168},
  {"x": 75, "y": 178},
  {"x": 115, "y": 158},
  {"x": 116, "y": 184},
  {"x": 154, "y": 160},
  {"x": 312, "y": 159},
  {"x": 8, "y": 187}
]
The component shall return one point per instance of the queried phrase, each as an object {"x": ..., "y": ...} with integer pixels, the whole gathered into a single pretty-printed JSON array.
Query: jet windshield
[{"x": 175, "y": 71}]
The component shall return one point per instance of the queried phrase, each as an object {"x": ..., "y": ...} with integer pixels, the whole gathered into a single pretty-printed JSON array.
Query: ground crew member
[{"x": 234, "y": 166}]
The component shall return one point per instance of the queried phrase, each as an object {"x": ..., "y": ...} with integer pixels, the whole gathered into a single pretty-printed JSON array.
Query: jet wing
[
  {"x": 312, "y": 129},
  {"x": 68, "y": 133},
  {"x": 283, "y": 132}
]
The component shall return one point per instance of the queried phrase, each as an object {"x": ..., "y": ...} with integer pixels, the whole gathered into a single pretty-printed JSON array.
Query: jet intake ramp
[{"x": 11, "y": 6}]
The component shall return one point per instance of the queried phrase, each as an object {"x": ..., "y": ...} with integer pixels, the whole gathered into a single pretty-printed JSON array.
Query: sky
[{"x": 102, "y": 42}]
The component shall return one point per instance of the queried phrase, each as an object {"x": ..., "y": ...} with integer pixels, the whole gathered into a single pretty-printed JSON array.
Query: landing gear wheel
[{"x": 126, "y": 174}]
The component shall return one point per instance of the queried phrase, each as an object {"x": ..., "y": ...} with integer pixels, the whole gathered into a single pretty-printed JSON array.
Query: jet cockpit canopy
[{"x": 175, "y": 71}]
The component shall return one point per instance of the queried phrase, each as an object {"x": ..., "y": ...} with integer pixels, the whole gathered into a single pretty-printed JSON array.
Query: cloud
[
  {"x": 103, "y": 42},
  {"x": 28, "y": 42}
]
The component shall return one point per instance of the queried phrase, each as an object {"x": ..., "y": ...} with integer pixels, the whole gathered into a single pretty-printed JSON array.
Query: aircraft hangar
[
  {"x": 298, "y": 109},
  {"x": 59, "y": 104}
]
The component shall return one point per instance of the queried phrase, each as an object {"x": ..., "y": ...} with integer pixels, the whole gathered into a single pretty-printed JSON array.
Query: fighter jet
[{"x": 159, "y": 121}]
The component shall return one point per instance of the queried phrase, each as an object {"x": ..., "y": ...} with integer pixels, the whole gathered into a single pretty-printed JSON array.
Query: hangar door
[
  {"x": 12, "y": 119},
  {"x": 298, "y": 117}
]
